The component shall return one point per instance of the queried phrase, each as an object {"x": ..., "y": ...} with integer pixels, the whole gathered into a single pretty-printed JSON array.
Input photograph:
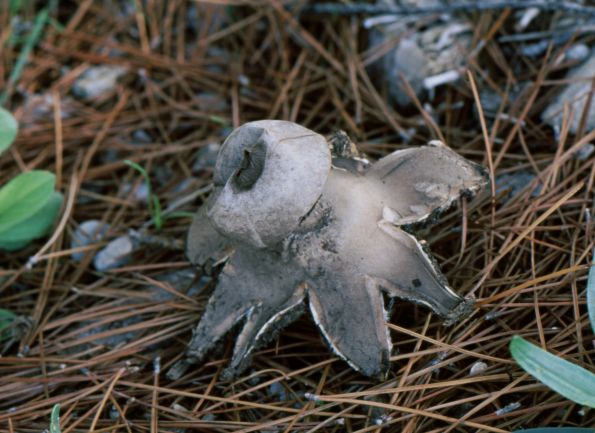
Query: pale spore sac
[{"x": 297, "y": 233}]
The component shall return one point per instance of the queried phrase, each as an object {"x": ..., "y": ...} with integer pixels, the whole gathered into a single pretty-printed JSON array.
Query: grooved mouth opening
[{"x": 251, "y": 166}]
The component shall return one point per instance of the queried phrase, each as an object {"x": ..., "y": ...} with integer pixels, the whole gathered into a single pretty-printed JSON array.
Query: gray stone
[
  {"x": 97, "y": 81},
  {"x": 115, "y": 254},
  {"x": 87, "y": 233}
]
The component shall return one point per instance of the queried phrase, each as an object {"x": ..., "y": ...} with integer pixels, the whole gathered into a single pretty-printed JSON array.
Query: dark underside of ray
[
  {"x": 349, "y": 310},
  {"x": 257, "y": 291}
]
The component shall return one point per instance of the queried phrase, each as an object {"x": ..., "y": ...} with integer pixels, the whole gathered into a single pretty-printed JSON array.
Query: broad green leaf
[
  {"x": 34, "y": 227},
  {"x": 591, "y": 292},
  {"x": 55, "y": 419},
  {"x": 568, "y": 379},
  {"x": 8, "y": 129},
  {"x": 556, "y": 430},
  {"x": 6, "y": 319},
  {"x": 13, "y": 246},
  {"x": 24, "y": 196}
]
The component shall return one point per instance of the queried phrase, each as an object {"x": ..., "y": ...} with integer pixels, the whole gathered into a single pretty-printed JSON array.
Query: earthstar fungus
[{"x": 300, "y": 226}]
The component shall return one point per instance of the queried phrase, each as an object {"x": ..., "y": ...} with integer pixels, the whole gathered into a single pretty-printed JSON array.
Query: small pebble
[
  {"x": 585, "y": 151},
  {"x": 383, "y": 419},
  {"x": 508, "y": 408},
  {"x": 179, "y": 408},
  {"x": 140, "y": 193},
  {"x": 277, "y": 391},
  {"x": 244, "y": 80},
  {"x": 490, "y": 100},
  {"x": 312, "y": 397},
  {"x": 577, "y": 52},
  {"x": 478, "y": 368},
  {"x": 113, "y": 413},
  {"x": 206, "y": 157},
  {"x": 141, "y": 136},
  {"x": 39, "y": 107},
  {"x": 97, "y": 81},
  {"x": 87, "y": 233},
  {"x": 116, "y": 254}
]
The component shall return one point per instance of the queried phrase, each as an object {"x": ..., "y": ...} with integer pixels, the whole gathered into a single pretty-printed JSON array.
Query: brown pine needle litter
[{"x": 100, "y": 343}]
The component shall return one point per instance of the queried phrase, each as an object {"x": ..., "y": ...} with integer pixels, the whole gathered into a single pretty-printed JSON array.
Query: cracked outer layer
[{"x": 304, "y": 234}]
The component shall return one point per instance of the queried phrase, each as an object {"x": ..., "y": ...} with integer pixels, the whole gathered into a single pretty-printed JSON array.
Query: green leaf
[
  {"x": 8, "y": 129},
  {"x": 34, "y": 227},
  {"x": 6, "y": 319},
  {"x": 568, "y": 379},
  {"x": 219, "y": 120},
  {"x": 591, "y": 292},
  {"x": 157, "y": 212},
  {"x": 55, "y": 419},
  {"x": 15, "y": 6},
  {"x": 152, "y": 200},
  {"x": 24, "y": 196}
]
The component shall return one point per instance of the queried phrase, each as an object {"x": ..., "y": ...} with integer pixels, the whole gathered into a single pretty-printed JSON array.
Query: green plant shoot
[
  {"x": 8, "y": 129},
  {"x": 6, "y": 319},
  {"x": 568, "y": 379},
  {"x": 55, "y": 419},
  {"x": 152, "y": 200}
]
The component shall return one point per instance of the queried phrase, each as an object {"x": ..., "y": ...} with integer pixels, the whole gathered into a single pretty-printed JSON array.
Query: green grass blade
[
  {"x": 55, "y": 419},
  {"x": 157, "y": 212},
  {"x": 6, "y": 319},
  {"x": 152, "y": 200},
  {"x": 8, "y": 129},
  {"x": 591, "y": 293},
  {"x": 568, "y": 379},
  {"x": 32, "y": 40},
  {"x": 140, "y": 169}
]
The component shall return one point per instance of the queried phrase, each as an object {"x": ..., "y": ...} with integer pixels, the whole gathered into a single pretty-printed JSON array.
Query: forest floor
[{"x": 163, "y": 83}]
